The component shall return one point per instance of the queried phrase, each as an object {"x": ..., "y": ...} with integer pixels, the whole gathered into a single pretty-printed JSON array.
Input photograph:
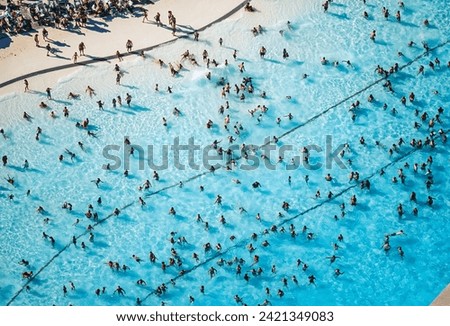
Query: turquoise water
[{"x": 320, "y": 107}]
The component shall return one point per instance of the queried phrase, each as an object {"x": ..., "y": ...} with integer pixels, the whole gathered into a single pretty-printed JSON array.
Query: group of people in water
[{"x": 255, "y": 266}]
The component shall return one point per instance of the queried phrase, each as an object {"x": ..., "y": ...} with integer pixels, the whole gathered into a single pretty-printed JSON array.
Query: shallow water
[{"x": 320, "y": 108}]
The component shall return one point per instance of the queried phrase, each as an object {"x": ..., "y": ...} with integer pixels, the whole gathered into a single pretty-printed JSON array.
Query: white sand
[{"x": 23, "y": 57}]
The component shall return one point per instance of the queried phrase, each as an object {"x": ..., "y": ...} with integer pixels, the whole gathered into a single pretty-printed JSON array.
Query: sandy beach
[{"x": 103, "y": 37}]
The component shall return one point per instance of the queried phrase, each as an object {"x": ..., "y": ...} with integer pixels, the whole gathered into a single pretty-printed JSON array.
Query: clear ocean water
[{"x": 320, "y": 105}]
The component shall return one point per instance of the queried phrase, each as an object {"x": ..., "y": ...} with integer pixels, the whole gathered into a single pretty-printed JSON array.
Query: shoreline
[{"x": 100, "y": 42}]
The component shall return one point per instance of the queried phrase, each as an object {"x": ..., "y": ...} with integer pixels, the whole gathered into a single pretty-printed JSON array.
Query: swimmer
[
  {"x": 119, "y": 290},
  {"x": 26, "y": 116},
  {"x": 152, "y": 257},
  {"x": 262, "y": 52},
  {"x": 348, "y": 63},
  {"x": 92, "y": 134},
  {"x": 73, "y": 96},
  {"x": 338, "y": 272},
  {"x": 24, "y": 262},
  {"x": 90, "y": 91},
  {"x": 71, "y": 154},
  {"x": 234, "y": 54},
  {"x": 176, "y": 112},
  {"x": 128, "y": 99},
  {"x": 397, "y": 233},
  {"x": 241, "y": 67},
  {"x": 289, "y": 25},
  {"x": 137, "y": 259},
  {"x": 306, "y": 179},
  {"x": 256, "y": 184},
  {"x": 97, "y": 181}
]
